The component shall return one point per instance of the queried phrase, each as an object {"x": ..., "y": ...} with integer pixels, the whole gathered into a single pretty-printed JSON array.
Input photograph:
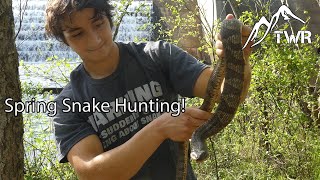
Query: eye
[
  {"x": 99, "y": 24},
  {"x": 77, "y": 34}
]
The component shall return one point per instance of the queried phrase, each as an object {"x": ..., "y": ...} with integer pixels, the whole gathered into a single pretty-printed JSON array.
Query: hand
[
  {"x": 180, "y": 128},
  {"x": 246, "y": 30}
]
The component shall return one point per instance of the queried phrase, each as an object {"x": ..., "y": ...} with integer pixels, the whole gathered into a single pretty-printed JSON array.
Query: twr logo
[{"x": 285, "y": 12}]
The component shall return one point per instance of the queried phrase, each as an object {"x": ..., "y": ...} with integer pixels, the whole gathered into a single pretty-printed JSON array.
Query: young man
[{"x": 121, "y": 144}]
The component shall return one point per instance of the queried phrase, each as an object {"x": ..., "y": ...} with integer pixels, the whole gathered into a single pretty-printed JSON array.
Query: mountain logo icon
[{"x": 284, "y": 11}]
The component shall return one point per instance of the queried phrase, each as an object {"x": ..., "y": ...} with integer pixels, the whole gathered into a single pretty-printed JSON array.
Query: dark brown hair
[{"x": 56, "y": 9}]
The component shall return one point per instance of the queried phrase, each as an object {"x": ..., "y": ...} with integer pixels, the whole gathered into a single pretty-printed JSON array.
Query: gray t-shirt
[{"x": 156, "y": 71}]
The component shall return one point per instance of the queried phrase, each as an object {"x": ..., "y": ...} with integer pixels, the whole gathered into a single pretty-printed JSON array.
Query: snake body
[{"x": 232, "y": 69}]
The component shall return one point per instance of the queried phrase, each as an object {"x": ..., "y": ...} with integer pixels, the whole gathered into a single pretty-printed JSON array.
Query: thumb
[{"x": 229, "y": 16}]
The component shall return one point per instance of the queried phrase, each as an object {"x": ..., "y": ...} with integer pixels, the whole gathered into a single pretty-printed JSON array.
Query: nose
[{"x": 94, "y": 40}]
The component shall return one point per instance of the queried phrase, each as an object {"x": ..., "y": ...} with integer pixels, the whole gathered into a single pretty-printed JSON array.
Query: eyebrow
[
  {"x": 72, "y": 29},
  {"x": 96, "y": 18}
]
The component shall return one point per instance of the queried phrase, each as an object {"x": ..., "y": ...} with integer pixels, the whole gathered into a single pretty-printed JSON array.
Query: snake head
[
  {"x": 199, "y": 150},
  {"x": 199, "y": 156}
]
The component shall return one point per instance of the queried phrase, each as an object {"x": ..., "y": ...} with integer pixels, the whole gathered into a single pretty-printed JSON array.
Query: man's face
[{"x": 90, "y": 37}]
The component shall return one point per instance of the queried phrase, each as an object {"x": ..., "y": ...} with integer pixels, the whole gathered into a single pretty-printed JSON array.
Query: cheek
[
  {"x": 107, "y": 35},
  {"x": 78, "y": 47},
  {"x": 106, "y": 32}
]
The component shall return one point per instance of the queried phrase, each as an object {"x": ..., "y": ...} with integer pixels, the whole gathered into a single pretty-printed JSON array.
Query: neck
[{"x": 104, "y": 67}]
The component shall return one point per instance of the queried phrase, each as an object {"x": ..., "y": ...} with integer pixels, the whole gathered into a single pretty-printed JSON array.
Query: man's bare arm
[{"x": 123, "y": 162}]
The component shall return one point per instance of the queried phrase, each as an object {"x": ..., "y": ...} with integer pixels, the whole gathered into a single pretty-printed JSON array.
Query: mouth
[{"x": 99, "y": 47}]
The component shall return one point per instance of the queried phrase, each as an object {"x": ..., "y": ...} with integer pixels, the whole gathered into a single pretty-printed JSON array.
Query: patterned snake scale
[{"x": 232, "y": 69}]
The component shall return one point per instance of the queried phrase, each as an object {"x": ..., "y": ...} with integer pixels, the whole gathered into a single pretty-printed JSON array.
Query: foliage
[
  {"x": 274, "y": 134},
  {"x": 184, "y": 22},
  {"x": 40, "y": 149},
  {"x": 122, "y": 9}
]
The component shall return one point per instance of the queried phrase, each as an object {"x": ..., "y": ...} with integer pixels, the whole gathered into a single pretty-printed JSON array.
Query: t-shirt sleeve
[
  {"x": 69, "y": 128},
  {"x": 181, "y": 68}
]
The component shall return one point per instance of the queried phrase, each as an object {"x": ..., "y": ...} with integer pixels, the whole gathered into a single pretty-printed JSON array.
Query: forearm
[{"x": 124, "y": 161}]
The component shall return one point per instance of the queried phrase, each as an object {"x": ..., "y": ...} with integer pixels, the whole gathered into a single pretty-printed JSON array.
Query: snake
[{"x": 231, "y": 69}]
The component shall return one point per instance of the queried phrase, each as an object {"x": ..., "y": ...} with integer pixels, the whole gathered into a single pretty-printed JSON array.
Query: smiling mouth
[{"x": 97, "y": 48}]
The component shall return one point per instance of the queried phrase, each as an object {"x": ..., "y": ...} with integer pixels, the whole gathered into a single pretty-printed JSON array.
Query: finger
[
  {"x": 220, "y": 53},
  {"x": 248, "y": 48},
  {"x": 194, "y": 123},
  {"x": 218, "y": 36},
  {"x": 244, "y": 40},
  {"x": 198, "y": 113},
  {"x": 219, "y": 45},
  {"x": 229, "y": 16},
  {"x": 194, "y": 112},
  {"x": 199, "y": 122},
  {"x": 246, "y": 30}
]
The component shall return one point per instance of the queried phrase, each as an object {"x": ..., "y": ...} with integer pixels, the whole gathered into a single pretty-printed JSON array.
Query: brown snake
[{"x": 232, "y": 69}]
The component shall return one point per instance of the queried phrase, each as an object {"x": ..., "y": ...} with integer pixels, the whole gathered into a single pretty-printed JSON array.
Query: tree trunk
[
  {"x": 189, "y": 43},
  {"x": 11, "y": 127}
]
